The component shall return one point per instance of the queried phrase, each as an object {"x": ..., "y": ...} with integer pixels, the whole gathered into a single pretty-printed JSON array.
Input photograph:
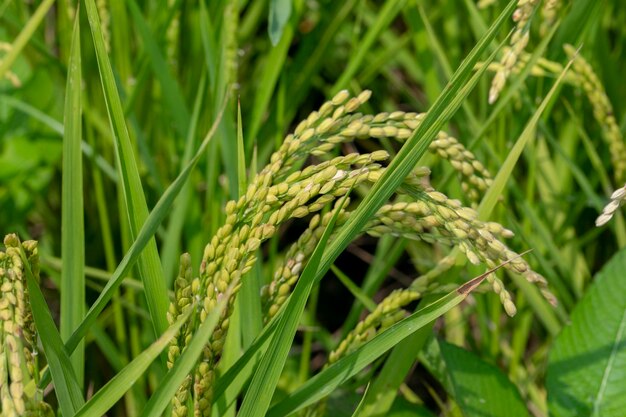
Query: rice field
[{"x": 312, "y": 208}]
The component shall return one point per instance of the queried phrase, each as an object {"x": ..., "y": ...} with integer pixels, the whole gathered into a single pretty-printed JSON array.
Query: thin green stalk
[{"x": 22, "y": 39}]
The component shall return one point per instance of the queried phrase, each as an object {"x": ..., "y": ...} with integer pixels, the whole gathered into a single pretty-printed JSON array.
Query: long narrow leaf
[
  {"x": 145, "y": 234},
  {"x": 137, "y": 208},
  {"x": 259, "y": 394},
  {"x": 66, "y": 385},
  {"x": 72, "y": 223},
  {"x": 489, "y": 200},
  {"x": 22, "y": 39},
  {"x": 416, "y": 145},
  {"x": 108, "y": 395},
  {"x": 185, "y": 363},
  {"x": 332, "y": 377},
  {"x": 172, "y": 94},
  {"x": 280, "y": 10}
]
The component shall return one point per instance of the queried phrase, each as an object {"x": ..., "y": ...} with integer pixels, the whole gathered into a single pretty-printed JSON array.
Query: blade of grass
[
  {"x": 72, "y": 223},
  {"x": 489, "y": 200},
  {"x": 274, "y": 62},
  {"x": 66, "y": 387},
  {"x": 108, "y": 395},
  {"x": 408, "y": 156},
  {"x": 171, "y": 243},
  {"x": 280, "y": 10},
  {"x": 248, "y": 301},
  {"x": 259, "y": 394},
  {"x": 137, "y": 209},
  {"x": 172, "y": 94},
  {"x": 185, "y": 363},
  {"x": 145, "y": 234},
  {"x": 241, "y": 153},
  {"x": 382, "y": 392},
  {"x": 22, "y": 39},
  {"x": 384, "y": 18},
  {"x": 354, "y": 289},
  {"x": 57, "y": 127},
  {"x": 332, "y": 377},
  {"x": 238, "y": 374}
]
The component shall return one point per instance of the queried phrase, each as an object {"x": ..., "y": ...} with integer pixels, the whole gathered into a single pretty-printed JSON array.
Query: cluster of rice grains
[
  {"x": 512, "y": 54},
  {"x": 18, "y": 339},
  {"x": 283, "y": 191},
  {"x": 519, "y": 40},
  {"x": 586, "y": 77},
  {"x": 617, "y": 198}
]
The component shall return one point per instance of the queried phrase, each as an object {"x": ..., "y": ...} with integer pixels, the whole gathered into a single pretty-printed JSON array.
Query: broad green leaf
[
  {"x": 480, "y": 389},
  {"x": 108, "y": 395},
  {"x": 280, "y": 11},
  {"x": 265, "y": 379},
  {"x": 66, "y": 387},
  {"x": 587, "y": 365},
  {"x": 332, "y": 377},
  {"x": 150, "y": 269},
  {"x": 72, "y": 223}
]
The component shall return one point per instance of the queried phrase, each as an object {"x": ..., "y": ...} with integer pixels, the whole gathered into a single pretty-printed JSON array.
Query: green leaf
[
  {"x": 170, "y": 251},
  {"x": 150, "y": 269},
  {"x": 272, "y": 67},
  {"x": 403, "y": 408},
  {"x": 280, "y": 11},
  {"x": 185, "y": 363},
  {"x": 22, "y": 39},
  {"x": 587, "y": 365},
  {"x": 488, "y": 202},
  {"x": 384, "y": 18},
  {"x": 332, "y": 377},
  {"x": 172, "y": 95},
  {"x": 241, "y": 153},
  {"x": 108, "y": 395},
  {"x": 480, "y": 389},
  {"x": 265, "y": 379},
  {"x": 72, "y": 216},
  {"x": 66, "y": 385},
  {"x": 145, "y": 234},
  {"x": 381, "y": 396},
  {"x": 444, "y": 107}
]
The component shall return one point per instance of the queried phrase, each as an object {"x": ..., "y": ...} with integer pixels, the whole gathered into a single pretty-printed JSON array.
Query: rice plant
[{"x": 312, "y": 208}]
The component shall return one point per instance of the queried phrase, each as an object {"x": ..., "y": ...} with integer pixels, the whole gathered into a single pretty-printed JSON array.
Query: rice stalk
[
  {"x": 281, "y": 192},
  {"x": 18, "y": 337},
  {"x": 519, "y": 39}
]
